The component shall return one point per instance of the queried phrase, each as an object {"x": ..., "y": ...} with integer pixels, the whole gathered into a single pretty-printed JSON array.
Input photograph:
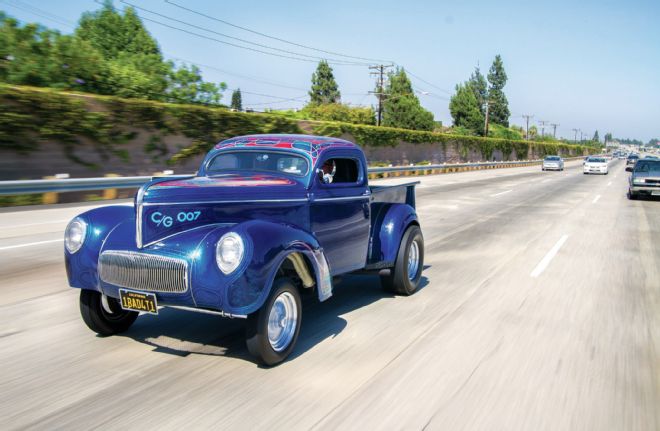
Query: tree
[
  {"x": 596, "y": 138},
  {"x": 608, "y": 137},
  {"x": 112, "y": 33},
  {"x": 479, "y": 87},
  {"x": 324, "y": 87},
  {"x": 134, "y": 60},
  {"x": 237, "y": 100},
  {"x": 533, "y": 132},
  {"x": 109, "y": 53},
  {"x": 464, "y": 109},
  {"x": 187, "y": 86},
  {"x": 34, "y": 55},
  {"x": 401, "y": 108},
  {"x": 498, "y": 104}
]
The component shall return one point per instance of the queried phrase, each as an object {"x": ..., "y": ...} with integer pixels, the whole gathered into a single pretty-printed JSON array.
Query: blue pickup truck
[{"x": 266, "y": 219}]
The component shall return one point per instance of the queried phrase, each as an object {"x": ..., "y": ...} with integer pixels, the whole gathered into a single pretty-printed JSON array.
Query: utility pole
[
  {"x": 542, "y": 123},
  {"x": 380, "y": 70},
  {"x": 575, "y": 139},
  {"x": 554, "y": 130},
  {"x": 527, "y": 117},
  {"x": 486, "y": 118}
]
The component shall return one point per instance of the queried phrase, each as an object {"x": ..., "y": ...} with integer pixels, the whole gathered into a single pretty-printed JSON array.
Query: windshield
[
  {"x": 552, "y": 158},
  {"x": 648, "y": 166},
  {"x": 597, "y": 160},
  {"x": 633, "y": 157},
  {"x": 269, "y": 161}
]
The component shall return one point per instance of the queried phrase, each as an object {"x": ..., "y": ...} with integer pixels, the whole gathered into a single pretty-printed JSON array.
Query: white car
[
  {"x": 596, "y": 165},
  {"x": 553, "y": 162}
]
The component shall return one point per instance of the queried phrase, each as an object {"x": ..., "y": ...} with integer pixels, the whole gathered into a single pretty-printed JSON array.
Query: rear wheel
[
  {"x": 103, "y": 314},
  {"x": 272, "y": 331},
  {"x": 404, "y": 278}
]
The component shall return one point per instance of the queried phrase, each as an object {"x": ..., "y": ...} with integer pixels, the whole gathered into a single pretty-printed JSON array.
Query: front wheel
[
  {"x": 103, "y": 314},
  {"x": 632, "y": 196},
  {"x": 272, "y": 331},
  {"x": 404, "y": 278}
]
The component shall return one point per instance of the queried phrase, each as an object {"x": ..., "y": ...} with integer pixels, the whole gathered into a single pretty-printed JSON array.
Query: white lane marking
[
  {"x": 543, "y": 264},
  {"x": 29, "y": 244},
  {"x": 501, "y": 193},
  {"x": 609, "y": 184},
  {"x": 546, "y": 180},
  {"x": 35, "y": 224},
  {"x": 595, "y": 199}
]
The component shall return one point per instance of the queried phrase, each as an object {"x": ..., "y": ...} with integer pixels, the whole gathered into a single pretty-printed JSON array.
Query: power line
[
  {"x": 240, "y": 46},
  {"x": 248, "y": 77},
  {"x": 269, "y": 36},
  {"x": 316, "y": 58},
  {"x": 426, "y": 82},
  {"x": 39, "y": 12}
]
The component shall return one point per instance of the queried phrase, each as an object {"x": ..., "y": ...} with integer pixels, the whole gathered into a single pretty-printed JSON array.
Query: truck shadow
[{"x": 182, "y": 333}]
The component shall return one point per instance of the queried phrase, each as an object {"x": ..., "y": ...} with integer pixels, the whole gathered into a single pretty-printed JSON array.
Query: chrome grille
[{"x": 142, "y": 271}]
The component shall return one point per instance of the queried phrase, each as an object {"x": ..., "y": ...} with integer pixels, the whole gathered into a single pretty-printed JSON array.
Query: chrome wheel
[
  {"x": 282, "y": 321},
  {"x": 413, "y": 260}
]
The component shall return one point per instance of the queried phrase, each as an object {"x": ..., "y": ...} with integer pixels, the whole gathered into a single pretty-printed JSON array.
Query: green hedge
[
  {"x": 388, "y": 136},
  {"x": 31, "y": 116}
]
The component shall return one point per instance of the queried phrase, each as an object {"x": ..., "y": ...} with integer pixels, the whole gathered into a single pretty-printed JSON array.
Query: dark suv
[
  {"x": 630, "y": 163},
  {"x": 645, "y": 178}
]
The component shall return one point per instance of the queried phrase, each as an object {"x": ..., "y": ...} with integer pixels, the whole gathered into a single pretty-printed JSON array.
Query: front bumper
[
  {"x": 552, "y": 167},
  {"x": 595, "y": 170},
  {"x": 650, "y": 189}
]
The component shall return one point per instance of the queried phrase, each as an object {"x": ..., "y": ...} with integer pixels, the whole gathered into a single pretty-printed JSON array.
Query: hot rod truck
[{"x": 266, "y": 219}]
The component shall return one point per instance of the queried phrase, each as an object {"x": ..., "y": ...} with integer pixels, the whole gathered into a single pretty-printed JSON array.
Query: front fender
[
  {"x": 81, "y": 266},
  {"x": 271, "y": 244},
  {"x": 390, "y": 221}
]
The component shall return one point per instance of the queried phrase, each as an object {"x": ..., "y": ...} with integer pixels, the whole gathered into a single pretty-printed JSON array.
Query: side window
[{"x": 339, "y": 171}]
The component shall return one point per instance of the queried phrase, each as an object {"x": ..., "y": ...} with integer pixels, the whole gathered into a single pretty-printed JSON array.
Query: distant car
[
  {"x": 555, "y": 163},
  {"x": 645, "y": 178},
  {"x": 595, "y": 165},
  {"x": 630, "y": 162}
]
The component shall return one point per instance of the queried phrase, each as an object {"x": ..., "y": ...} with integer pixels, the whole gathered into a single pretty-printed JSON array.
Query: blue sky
[{"x": 592, "y": 65}]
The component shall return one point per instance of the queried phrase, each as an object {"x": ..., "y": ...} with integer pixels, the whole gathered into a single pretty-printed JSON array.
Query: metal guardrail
[{"x": 24, "y": 187}]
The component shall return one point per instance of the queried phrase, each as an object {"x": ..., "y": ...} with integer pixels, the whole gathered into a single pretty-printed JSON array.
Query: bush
[{"x": 338, "y": 112}]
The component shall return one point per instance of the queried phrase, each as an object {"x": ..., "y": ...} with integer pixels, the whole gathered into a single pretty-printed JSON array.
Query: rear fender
[{"x": 390, "y": 221}]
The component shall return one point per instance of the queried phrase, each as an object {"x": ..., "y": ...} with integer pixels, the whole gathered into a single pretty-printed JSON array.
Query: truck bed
[{"x": 398, "y": 194}]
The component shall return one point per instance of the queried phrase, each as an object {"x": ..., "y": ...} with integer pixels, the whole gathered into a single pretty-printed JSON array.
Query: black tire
[
  {"x": 257, "y": 339},
  {"x": 101, "y": 321},
  {"x": 398, "y": 280},
  {"x": 632, "y": 196}
]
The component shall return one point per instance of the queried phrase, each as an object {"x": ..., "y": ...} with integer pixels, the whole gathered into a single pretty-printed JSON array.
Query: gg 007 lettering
[{"x": 160, "y": 219}]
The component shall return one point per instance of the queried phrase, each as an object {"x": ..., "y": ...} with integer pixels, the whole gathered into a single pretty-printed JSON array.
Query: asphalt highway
[{"x": 540, "y": 310}]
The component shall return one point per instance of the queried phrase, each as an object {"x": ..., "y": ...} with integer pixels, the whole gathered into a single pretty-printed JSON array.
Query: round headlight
[
  {"x": 75, "y": 234},
  {"x": 229, "y": 252}
]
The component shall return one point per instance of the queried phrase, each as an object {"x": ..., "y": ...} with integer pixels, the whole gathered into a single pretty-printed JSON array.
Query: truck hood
[
  {"x": 166, "y": 207},
  {"x": 232, "y": 187}
]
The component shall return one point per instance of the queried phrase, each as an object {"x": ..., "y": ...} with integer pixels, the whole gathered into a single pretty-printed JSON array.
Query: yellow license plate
[{"x": 138, "y": 301}]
